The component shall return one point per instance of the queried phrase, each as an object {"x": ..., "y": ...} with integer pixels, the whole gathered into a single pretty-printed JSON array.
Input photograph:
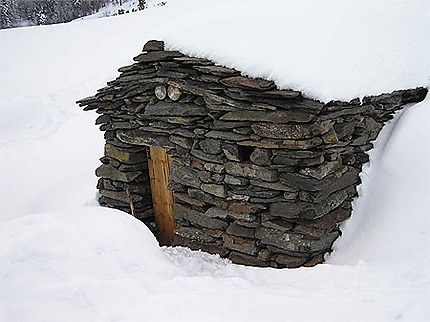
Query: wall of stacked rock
[{"x": 260, "y": 175}]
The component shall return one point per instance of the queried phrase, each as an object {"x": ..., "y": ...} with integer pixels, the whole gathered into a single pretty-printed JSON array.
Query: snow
[{"x": 63, "y": 258}]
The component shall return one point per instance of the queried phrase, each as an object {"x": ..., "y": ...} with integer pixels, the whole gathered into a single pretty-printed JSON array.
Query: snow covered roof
[{"x": 326, "y": 49}]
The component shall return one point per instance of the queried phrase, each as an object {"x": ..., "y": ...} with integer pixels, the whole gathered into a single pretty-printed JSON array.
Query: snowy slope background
[{"x": 64, "y": 258}]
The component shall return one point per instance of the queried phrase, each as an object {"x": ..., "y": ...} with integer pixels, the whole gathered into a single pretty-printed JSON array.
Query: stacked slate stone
[{"x": 260, "y": 175}]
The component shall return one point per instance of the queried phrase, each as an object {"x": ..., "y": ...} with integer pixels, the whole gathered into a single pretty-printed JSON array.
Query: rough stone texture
[
  {"x": 251, "y": 171},
  {"x": 259, "y": 175},
  {"x": 243, "y": 245},
  {"x": 197, "y": 218},
  {"x": 261, "y": 156}
]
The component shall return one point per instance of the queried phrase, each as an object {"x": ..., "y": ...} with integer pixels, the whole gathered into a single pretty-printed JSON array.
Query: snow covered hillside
[{"x": 64, "y": 258}]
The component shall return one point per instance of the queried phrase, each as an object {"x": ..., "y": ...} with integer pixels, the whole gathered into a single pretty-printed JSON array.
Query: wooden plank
[{"x": 162, "y": 199}]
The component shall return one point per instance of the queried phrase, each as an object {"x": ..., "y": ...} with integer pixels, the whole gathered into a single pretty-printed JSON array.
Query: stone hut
[{"x": 231, "y": 165}]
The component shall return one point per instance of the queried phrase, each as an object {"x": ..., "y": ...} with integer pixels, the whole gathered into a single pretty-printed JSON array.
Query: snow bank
[
  {"x": 63, "y": 265},
  {"x": 390, "y": 222}
]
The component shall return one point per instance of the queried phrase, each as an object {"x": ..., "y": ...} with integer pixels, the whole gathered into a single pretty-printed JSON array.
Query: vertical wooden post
[{"x": 162, "y": 199}]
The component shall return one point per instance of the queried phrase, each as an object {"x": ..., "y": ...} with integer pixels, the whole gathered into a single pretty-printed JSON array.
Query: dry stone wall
[{"x": 260, "y": 175}]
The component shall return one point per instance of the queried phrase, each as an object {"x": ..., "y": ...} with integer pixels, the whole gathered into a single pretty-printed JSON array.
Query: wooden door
[{"x": 162, "y": 199}]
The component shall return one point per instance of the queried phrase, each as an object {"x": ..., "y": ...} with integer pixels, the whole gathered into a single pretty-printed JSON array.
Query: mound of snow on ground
[{"x": 63, "y": 258}]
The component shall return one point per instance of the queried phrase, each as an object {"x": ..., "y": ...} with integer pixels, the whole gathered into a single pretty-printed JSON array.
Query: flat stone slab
[
  {"x": 246, "y": 82},
  {"x": 251, "y": 171},
  {"x": 175, "y": 109},
  {"x": 157, "y": 56},
  {"x": 109, "y": 172},
  {"x": 291, "y": 131},
  {"x": 139, "y": 137},
  {"x": 216, "y": 70},
  {"x": 184, "y": 175},
  {"x": 268, "y": 116},
  {"x": 295, "y": 242},
  {"x": 197, "y": 218},
  {"x": 309, "y": 211},
  {"x": 154, "y": 45}
]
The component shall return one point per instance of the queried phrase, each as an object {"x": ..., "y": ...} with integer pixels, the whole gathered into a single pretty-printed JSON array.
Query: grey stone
[
  {"x": 242, "y": 217},
  {"x": 342, "y": 178},
  {"x": 216, "y": 70},
  {"x": 154, "y": 45},
  {"x": 231, "y": 152},
  {"x": 330, "y": 220},
  {"x": 295, "y": 242},
  {"x": 109, "y": 172},
  {"x": 236, "y": 230},
  {"x": 261, "y": 156},
  {"x": 236, "y": 181},
  {"x": 133, "y": 167},
  {"x": 215, "y": 212},
  {"x": 221, "y": 125},
  {"x": 257, "y": 192},
  {"x": 290, "y": 261},
  {"x": 218, "y": 178},
  {"x": 240, "y": 209},
  {"x": 207, "y": 198},
  {"x": 120, "y": 195},
  {"x": 214, "y": 167},
  {"x": 264, "y": 116},
  {"x": 273, "y": 185},
  {"x": 291, "y": 131},
  {"x": 237, "y": 197},
  {"x": 243, "y": 245},
  {"x": 290, "y": 195},
  {"x": 310, "y": 231},
  {"x": 197, "y": 218},
  {"x": 193, "y": 60},
  {"x": 182, "y": 132},
  {"x": 139, "y": 137},
  {"x": 247, "y": 82},
  {"x": 124, "y": 156},
  {"x": 194, "y": 234},
  {"x": 322, "y": 170},
  {"x": 278, "y": 224},
  {"x": 284, "y": 144},
  {"x": 224, "y": 135},
  {"x": 215, "y": 189},
  {"x": 207, "y": 156},
  {"x": 211, "y": 146},
  {"x": 162, "y": 72},
  {"x": 205, "y": 176},
  {"x": 264, "y": 254},
  {"x": 184, "y": 175},
  {"x": 251, "y": 171},
  {"x": 310, "y": 211},
  {"x": 263, "y": 97},
  {"x": 186, "y": 198},
  {"x": 244, "y": 131},
  {"x": 103, "y": 119},
  {"x": 283, "y": 160},
  {"x": 175, "y": 109},
  {"x": 299, "y": 154},
  {"x": 186, "y": 143},
  {"x": 242, "y": 259},
  {"x": 157, "y": 56}
]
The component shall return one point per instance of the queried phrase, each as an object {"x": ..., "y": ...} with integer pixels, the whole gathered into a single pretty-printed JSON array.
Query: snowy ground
[{"x": 63, "y": 258}]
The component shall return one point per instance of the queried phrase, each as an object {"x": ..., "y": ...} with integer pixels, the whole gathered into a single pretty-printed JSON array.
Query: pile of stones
[{"x": 260, "y": 175}]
